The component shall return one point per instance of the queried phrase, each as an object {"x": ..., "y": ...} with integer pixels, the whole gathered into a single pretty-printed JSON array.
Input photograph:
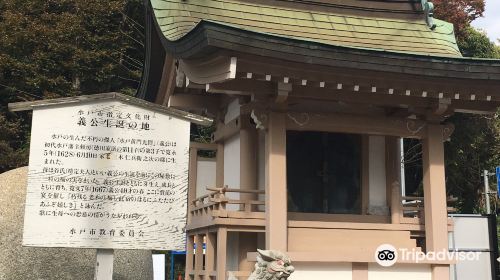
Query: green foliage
[
  {"x": 474, "y": 147},
  {"x": 202, "y": 134},
  {"x": 60, "y": 48},
  {"x": 475, "y": 144},
  {"x": 476, "y": 44},
  {"x": 13, "y": 147}
]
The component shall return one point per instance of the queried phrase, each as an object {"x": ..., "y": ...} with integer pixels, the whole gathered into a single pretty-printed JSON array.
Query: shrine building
[{"x": 311, "y": 100}]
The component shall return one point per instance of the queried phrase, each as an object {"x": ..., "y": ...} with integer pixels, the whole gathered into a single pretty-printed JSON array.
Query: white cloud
[{"x": 491, "y": 20}]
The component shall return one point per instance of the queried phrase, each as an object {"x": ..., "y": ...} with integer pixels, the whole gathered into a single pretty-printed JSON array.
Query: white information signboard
[{"x": 106, "y": 174}]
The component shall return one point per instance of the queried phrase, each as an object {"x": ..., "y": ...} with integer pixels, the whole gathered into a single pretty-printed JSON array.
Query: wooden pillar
[
  {"x": 219, "y": 167},
  {"x": 193, "y": 171},
  {"x": 360, "y": 271},
  {"x": 276, "y": 190},
  {"x": 198, "y": 256},
  {"x": 248, "y": 181},
  {"x": 436, "y": 216},
  {"x": 396, "y": 203},
  {"x": 189, "y": 256},
  {"x": 248, "y": 158},
  {"x": 365, "y": 174},
  {"x": 209, "y": 254},
  {"x": 393, "y": 166},
  {"x": 221, "y": 253},
  {"x": 248, "y": 243}
]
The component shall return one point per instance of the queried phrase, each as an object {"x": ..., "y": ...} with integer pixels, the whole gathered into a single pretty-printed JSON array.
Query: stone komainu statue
[{"x": 272, "y": 265}]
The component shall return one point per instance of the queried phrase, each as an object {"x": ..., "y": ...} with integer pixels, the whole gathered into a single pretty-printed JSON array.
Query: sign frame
[{"x": 72, "y": 102}]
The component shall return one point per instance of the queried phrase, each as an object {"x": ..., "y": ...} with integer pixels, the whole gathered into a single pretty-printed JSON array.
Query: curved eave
[
  {"x": 208, "y": 37},
  {"x": 350, "y": 23}
]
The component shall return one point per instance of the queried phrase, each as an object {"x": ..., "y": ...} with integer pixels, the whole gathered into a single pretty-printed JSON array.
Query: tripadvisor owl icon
[{"x": 386, "y": 255}]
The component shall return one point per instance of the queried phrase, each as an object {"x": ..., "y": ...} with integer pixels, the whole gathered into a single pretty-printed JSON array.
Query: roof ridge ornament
[{"x": 428, "y": 8}]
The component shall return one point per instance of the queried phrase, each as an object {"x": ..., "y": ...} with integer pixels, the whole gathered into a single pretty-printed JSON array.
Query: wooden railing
[
  {"x": 213, "y": 274},
  {"x": 412, "y": 209},
  {"x": 219, "y": 204},
  {"x": 238, "y": 274}
]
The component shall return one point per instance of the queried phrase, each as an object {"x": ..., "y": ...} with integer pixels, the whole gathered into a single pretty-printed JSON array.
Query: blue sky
[{"x": 491, "y": 20}]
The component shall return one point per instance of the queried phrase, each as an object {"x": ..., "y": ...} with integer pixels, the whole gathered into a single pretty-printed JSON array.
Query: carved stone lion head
[{"x": 272, "y": 265}]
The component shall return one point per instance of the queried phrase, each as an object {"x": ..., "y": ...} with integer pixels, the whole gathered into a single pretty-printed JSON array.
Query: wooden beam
[
  {"x": 316, "y": 72},
  {"x": 294, "y": 216},
  {"x": 276, "y": 189},
  {"x": 344, "y": 92},
  {"x": 205, "y": 71},
  {"x": 361, "y": 225},
  {"x": 436, "y": 234},
  {"x": 362, "y": 96},
  {"x": 403, "y": 81},
  {"x": 242, "y": 87},
  {"x": 360, "y": 124},
  {"x": 474, "y": 107},
  {"x": 225, "y": 131},
  {"x": 283, "y": 90},
  {"x": 192, "y": 85},
  {"x": 186, "y": 101},
  {"x": 442, "y": 106},
  {"x": 203, "y": 146}
]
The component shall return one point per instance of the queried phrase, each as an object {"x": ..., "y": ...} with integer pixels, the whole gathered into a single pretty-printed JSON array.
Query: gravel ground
[{"x": 17, "y": 262}]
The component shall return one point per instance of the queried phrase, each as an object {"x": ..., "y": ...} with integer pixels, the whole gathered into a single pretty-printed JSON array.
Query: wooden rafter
[
  {"x": 358, "y": 94},
  {"x": 167, "y": 84},
  {"x": 217, "y": 69}
]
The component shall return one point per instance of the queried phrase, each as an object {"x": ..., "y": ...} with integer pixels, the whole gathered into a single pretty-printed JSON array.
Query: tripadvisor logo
[{"x": 387, "y": 255}]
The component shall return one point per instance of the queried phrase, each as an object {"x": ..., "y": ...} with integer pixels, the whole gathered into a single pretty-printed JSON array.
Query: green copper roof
[{"x": 407, "y": 34}]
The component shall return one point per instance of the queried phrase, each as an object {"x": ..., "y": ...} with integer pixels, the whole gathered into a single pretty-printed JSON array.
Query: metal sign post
[
  {"x": 486, "y": 191},
  {"x": 104, "y": 264},
  {"x": 498, "y": 179}
]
